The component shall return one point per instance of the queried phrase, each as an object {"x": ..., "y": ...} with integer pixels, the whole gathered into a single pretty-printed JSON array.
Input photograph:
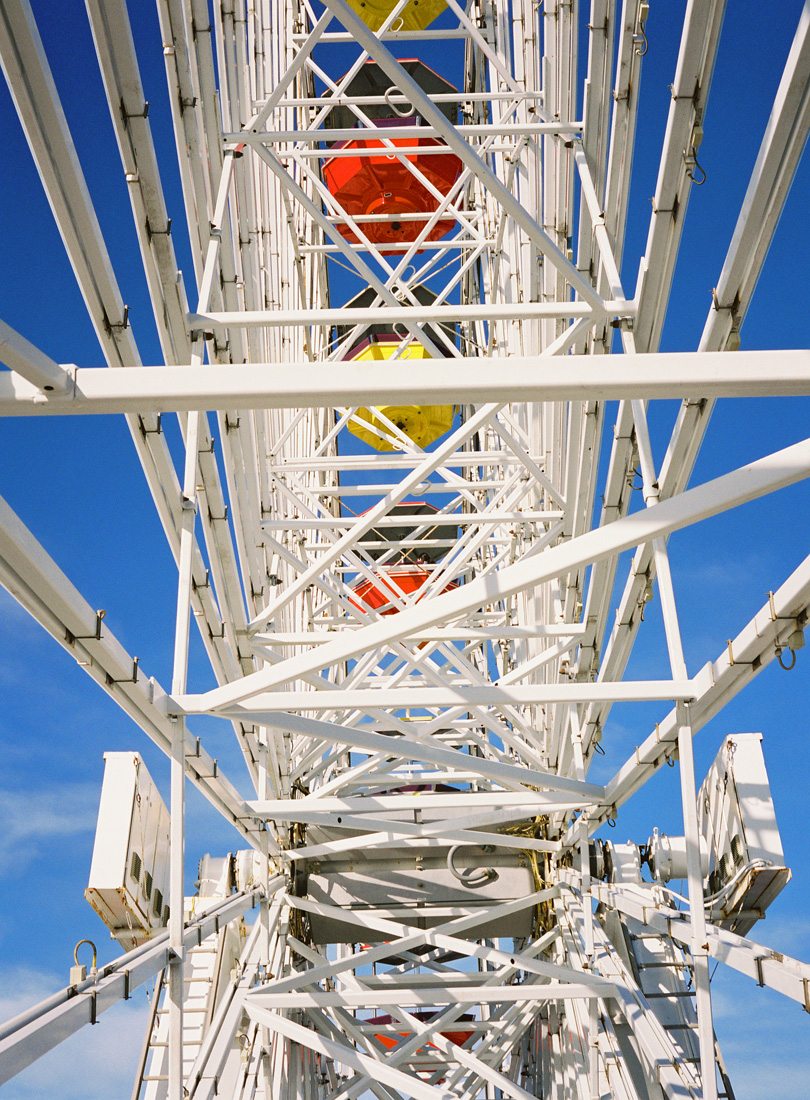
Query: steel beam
[
  {"x": 35, "y": 580},
  {"x": 472, "y": 380},
  {"x": 731, "y": 490},
  {"x": 428, "y": 751},
  {"x": 28, "y": 1036},
  {"x": 30, "y": 363}
]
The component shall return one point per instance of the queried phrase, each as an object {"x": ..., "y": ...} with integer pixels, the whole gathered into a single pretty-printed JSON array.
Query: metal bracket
[
  {"x": 70, "y": 637},
  {"x": 760, "y": 977},
  {"x": 196, "y": 586},
  {"x": 122, "y": 324},
  {"x": 126, "y": 115},
  {"x": 150, "y": 232},
  {"x": 133, "y": 679},
  {"x": 151, "y": 431}
]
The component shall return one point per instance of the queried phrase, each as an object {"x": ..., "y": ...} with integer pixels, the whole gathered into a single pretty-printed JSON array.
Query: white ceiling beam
[
  {"x": 244, "y": 137},
  {"x": 466, "y": 695},
  {"x": 472, "y": 380},
  {"x": 306, "y": 809},
  {"x": 435, "y": 995},
  {"x": 427, "y": 751}
]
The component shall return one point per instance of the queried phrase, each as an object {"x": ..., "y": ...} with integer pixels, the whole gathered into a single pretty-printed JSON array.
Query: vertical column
[
  {"x": 177, "y": 838},
  {"x": 180, "y": 673},
  {"x": 263, "y": 792},
  {"x": 587, "y": 907},
  {"x": 699, "y": 946}
]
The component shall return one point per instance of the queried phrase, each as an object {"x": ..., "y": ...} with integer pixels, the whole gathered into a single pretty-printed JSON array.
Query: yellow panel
[
  {"x": 422, "y": 423},
  {"x": 387, "y": 349},
  {"x": 415, "y": 17}
]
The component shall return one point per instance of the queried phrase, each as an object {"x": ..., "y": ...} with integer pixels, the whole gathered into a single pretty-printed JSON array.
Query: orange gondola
[
  {"x": 373, "y": 184},
  {"x": 408, "y": 568},
  {"x": 381, "y": 593},
  {"x": 457, "y": 1036}
]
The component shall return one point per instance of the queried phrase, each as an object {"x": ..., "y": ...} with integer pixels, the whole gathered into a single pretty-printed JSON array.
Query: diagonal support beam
[
  {"x": 747, "y": 483},
  {"x": 429, "y": 751},
  {"x": 406, "y": 1083},
  {"x": 39, "y": 1029},
  {"x": 434, "y": 117},
  {"x": 32, "y": 364},
  {"x": 36, "y": 582},
  {"x": 742, "y": 659}
]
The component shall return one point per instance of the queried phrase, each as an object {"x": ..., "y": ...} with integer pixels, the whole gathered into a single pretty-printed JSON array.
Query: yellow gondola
[
  {"x": 415, "y": 17},
  {"x": 422, "y": 423}
]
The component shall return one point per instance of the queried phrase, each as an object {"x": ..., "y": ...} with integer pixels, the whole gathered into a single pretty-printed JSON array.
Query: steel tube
[{"x": 472, "y": 380}]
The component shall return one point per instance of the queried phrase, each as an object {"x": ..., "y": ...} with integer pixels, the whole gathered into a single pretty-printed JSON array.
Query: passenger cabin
[{"x": 387, "y": 192}]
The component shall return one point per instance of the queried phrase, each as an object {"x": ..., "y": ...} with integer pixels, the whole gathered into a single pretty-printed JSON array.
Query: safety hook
[
  {"x": 779, "y": 652},
  {"x": 702, "y": 170},
  {"x": 393, "y": 90},
  {"x": 76, "y": 952}
]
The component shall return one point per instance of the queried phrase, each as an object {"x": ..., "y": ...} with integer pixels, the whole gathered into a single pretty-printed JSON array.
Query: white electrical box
[
  {"x": 737, "y": 820},
  {"x": 130, "y": 868}
]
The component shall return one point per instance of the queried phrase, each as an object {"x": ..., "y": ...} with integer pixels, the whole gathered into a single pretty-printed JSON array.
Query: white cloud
[
  {"x": 788, "y": 934},
  {"x": 31, "y": 818},
  {"x": 97, "y": 1063},
  {"x": 759, "y": 1033}
]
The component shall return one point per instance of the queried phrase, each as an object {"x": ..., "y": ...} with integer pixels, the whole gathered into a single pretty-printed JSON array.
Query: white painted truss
[{"x": 413, "y": 553}]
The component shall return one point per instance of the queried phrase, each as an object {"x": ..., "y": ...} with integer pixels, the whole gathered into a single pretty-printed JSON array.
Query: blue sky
[{"x": 78, "y": 486}]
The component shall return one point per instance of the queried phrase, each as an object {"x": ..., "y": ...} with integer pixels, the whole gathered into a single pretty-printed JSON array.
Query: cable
[{"x": 469, "y": 877}]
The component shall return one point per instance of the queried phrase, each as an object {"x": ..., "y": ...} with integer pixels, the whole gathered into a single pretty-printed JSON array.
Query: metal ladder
[
  {"x": 681, "y": 997},
  {"x": 151, "y": 1081}
]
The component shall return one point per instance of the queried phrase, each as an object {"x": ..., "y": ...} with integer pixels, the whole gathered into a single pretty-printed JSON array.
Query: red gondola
[
  {"x": 457, "y": 1036},
  {"x": 409, "y": 568},
  {"x": 383, "y": 597},
  {"x": 382, "y": 184}
]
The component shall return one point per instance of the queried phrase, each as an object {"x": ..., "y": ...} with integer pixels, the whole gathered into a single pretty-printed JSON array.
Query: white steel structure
[{"x": 417, "y": 696}]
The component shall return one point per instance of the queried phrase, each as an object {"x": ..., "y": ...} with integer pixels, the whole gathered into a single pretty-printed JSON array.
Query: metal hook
[
  {"x": 392, "y": 91},
  {"x": 779, "y": 652},
  {"x": 76, "y": 952},
  {"x": 640, "y": 36},
  {"x": 691, "y": 175}
]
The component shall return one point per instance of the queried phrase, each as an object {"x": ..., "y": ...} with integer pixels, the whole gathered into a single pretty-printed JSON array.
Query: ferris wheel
[{"x": 434, "y": 500}]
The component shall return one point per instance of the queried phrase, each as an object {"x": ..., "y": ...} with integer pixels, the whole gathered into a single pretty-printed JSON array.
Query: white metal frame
[{"x": 496, "y": 678}]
